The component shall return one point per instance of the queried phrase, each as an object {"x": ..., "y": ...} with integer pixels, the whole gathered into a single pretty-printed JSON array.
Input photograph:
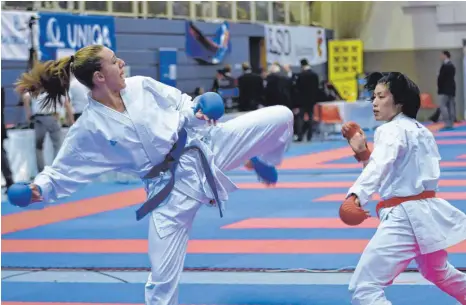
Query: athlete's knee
[
  {"x": 277, "y": 114},
  {"x": 436, "y": 275},
  {"x": 285, "y": 113},
  {"x": 434, "y": 266}
]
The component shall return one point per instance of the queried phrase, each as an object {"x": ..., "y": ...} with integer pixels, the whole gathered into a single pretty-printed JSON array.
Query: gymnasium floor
[{"x": 282, "y": 245}]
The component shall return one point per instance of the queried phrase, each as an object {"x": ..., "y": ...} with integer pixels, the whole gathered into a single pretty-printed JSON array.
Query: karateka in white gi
[
  {"x": 404, "y": 162},
  {"x": 131, "y": 125}
]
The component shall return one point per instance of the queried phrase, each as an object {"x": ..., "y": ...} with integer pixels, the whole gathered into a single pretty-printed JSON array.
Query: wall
[
  {"x": 408, "y": 36},
  {"x": 409, "y": 25},
  {"x": 138, "y": 41},
  {"x": 421, "y": 66}
]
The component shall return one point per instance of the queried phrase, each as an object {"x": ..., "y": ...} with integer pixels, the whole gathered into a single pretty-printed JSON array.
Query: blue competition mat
[{"x": 213, "y": 294}]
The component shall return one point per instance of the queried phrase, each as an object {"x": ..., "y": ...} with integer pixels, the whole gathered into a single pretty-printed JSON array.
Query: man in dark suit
[
  {"x": 276, "y": 90},
  {"x": 6, "y": 171},
  {"x": 307, "y": 93},
  {"x": 251, "y": 89},
  {"x": 446, "y": 90}
]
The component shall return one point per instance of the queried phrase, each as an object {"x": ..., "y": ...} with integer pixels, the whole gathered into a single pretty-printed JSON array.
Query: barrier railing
[{"x": 282, "y": 12}]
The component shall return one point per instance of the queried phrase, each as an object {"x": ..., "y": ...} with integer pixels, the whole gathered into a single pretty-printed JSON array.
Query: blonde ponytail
[{"x": 51, "y": 77}]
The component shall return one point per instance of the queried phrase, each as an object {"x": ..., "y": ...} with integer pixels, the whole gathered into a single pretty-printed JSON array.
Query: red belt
[{"x": 392, "y": 202}]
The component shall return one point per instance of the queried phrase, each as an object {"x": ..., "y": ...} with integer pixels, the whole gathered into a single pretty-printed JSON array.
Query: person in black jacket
[
  {"x": 276, "y": 90},
  {"x": 307, "y": 89},
  {"x": 251, "y": 89},
  {"x": 446, "y": 89},
  {"x": 6, "y": 170}
]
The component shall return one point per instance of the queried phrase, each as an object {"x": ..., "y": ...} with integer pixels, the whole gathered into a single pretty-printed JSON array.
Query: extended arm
[{"x": 70, "y": 171}]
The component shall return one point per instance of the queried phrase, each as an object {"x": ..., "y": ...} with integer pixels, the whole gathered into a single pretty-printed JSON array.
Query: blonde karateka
[
  {"x": 132, "y": 125},
  {"x": 415, "y": 224}
]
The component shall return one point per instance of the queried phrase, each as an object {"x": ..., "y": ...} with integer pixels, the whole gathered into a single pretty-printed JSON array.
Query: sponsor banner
[
  {"x": 64, "y": 34},
  {"x": 290, "y": 44}
]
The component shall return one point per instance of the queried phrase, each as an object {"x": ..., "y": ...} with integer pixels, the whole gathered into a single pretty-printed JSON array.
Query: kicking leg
[
  {"x": 263, "y": 133},
  {"x": 388, "y": 254}
]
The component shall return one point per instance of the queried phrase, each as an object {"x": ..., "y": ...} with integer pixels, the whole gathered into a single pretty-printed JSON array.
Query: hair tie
[{"x": 71, "y": 58}]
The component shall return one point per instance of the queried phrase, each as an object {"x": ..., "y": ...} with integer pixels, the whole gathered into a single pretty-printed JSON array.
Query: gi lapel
[
  {"x": 134, "y": 103},
  {"x": 109, "y": 112}
]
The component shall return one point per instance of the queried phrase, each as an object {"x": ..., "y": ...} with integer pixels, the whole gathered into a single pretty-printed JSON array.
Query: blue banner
[
  {"x": 207, "y": 50},
  {"x": 63, "y": 34},
  {"x": 228, "y": 92},
  {"x": 167, "y": 66}
]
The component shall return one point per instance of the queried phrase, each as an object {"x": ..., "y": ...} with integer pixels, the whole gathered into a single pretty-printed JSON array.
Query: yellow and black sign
[{"x": 345, "y": 63}]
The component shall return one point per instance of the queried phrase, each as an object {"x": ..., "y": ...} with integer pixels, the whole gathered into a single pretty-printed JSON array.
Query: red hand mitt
[
  {"x": 349, "y": 129},
  {"x": 350, "y": 213}
]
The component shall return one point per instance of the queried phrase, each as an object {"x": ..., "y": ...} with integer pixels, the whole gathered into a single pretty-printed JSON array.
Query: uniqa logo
[{"x": 78, "y": 35}]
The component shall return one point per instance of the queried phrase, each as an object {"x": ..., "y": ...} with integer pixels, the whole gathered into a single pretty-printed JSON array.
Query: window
[
  {"x": 307, "y": 13},
  {"x": 243, "y": 10},
  {"x": 278, "y": 12},
  {"x": 48, "y": 4},
  {"x": 155, "y": 8},
  {"x": 262, "y": 11},
  {"x": 68, "y": 5},
  {"x": 203, "y": 10},
  {"x": 28, "y": 5},
  {"x": 181, "y": 8},
  {"x": 295, "y": 11},
  {"x": 96, "y": 6},
  {"x": 122, "y": 6},
  {"x": 224, "y": 10}
]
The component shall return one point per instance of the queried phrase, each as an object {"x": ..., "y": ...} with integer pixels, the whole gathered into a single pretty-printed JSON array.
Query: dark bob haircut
[{"x": 404, "y": 90}]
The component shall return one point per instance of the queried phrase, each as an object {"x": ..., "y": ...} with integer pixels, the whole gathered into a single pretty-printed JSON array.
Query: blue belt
[{"x": 169, "y": 164}]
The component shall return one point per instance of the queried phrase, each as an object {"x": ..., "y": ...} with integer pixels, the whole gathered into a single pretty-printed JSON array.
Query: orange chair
[
  {"x": 426, "y": 101},
  {"x": 326, "y": 115}
]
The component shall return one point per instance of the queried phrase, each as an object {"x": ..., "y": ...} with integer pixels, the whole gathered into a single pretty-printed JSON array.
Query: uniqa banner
[
  {"x": 289, "y": 44},
  {"x": 64, "y": 34}
]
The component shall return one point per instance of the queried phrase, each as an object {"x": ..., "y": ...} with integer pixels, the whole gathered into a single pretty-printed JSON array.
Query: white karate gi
[
  {"x": 405, "y": 162},
  {"x": 104, "y": 140}
]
